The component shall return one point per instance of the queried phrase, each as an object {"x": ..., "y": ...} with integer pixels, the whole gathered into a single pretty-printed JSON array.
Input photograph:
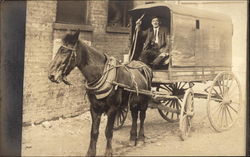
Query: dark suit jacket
[{"x": 162, "y": 38}]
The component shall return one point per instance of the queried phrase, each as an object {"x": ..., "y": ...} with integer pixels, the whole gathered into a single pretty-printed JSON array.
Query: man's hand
[
  {"x": 164, "y": 54},
  {"x": 138, "y": 24}
]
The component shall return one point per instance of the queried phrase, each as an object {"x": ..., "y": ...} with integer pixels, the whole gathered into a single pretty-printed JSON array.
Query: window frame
[
  {"x": 117, "y": 29},
  {"x": 86, "y": 26}
]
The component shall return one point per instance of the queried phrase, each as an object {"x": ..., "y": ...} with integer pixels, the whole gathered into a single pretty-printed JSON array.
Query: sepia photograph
[{"x": 124, "y": 78}]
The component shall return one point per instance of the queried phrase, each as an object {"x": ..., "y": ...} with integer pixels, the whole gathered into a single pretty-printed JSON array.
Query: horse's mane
[
  {"x": 92, "y": 52},
  {"x": 69, "y": 39}
]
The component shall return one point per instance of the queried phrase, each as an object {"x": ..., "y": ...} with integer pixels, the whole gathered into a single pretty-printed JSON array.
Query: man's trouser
[{"x": 153, "y": 58}]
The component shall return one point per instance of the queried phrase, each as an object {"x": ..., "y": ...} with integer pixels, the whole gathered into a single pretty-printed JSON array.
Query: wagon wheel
[
  {"x": 187, "y": 113},
  {"x": 177, "y": 89},
  {"x": 224, "y": 101},
  {"x": 120, "y": 117}
]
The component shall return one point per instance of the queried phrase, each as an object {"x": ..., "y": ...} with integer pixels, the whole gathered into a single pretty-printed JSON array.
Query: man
[{"x": 155, "y": 48}]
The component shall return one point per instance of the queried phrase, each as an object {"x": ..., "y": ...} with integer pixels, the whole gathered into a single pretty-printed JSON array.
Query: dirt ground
[{"x": 70, "y": 137}]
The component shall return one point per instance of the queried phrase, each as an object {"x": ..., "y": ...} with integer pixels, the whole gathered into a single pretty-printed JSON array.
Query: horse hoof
[
  {"x": 90, "y": 154},
  {"x": 109, "y": 153},
  {"x": 131, "y": 143},
  {"x": 140, "y": 143}
]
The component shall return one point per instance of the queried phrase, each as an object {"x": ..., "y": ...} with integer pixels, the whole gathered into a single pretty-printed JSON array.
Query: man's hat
[{"x": 153, "y": 17}]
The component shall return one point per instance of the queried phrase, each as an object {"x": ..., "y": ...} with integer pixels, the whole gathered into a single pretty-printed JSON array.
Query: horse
[{"x": 99, "y": 71}]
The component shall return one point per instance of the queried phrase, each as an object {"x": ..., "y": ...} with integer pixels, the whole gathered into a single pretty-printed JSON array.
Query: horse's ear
[{"x": 76, "y": 35}]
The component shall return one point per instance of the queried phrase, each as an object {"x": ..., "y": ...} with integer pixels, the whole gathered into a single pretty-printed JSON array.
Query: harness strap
[
  {"x": 103, "y": 85},
  {"x": 97, "y": 84}
]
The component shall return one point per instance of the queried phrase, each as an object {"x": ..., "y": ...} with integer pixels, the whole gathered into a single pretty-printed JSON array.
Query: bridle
[{"x": 71, "y": 58}]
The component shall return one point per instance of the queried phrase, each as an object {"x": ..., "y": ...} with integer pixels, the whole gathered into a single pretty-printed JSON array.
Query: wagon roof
[{"x": 180, "y": 9}]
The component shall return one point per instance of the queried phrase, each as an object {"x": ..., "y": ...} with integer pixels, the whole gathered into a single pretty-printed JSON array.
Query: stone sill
[
  {"x": 123, "y": 30},
  {"x": 62, "y": 26}
]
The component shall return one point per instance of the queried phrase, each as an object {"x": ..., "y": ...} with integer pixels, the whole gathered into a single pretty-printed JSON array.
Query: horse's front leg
[
  {"x": 96, "y": 118},
  {"x": 109, "y": 133}
]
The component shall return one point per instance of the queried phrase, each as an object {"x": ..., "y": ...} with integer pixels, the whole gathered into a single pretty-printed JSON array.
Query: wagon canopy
[
  {"x": 198, "y": 37},
  {"x": 159, "y": 9}
]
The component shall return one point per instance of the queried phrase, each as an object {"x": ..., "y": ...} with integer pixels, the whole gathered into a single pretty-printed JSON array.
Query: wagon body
[
  {"x": 200, "y": 41},
  {"x": 200, "y": 50}
]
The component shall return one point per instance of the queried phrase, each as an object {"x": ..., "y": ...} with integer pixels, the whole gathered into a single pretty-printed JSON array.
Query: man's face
[{"x": 155, "y": 22}]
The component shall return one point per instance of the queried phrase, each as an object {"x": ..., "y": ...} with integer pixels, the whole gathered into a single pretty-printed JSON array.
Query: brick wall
[{"x": 44, "y": 100}]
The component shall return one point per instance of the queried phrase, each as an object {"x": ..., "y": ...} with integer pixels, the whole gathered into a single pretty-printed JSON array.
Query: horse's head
[{"x": 65, "y": 59}]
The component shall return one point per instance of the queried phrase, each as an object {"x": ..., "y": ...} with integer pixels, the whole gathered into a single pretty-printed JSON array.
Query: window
[
  {"x": 118, "y": 13},
  {"x": 71, "y": 12},
  {"x": 197, "y": 24}
]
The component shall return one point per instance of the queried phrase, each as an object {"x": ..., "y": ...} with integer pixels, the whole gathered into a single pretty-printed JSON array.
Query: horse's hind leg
[
  {"x": 133, "y": 131},
  {"x": 141, "y": 137},
  {"x": 109, "y": 133},
  {"x": 96, "y": 118}
]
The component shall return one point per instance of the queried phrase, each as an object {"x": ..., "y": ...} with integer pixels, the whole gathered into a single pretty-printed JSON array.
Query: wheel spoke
[
  {"x": 169, "y": 106},
  {"x": 216, "y": 110},
  {"x": 232, "y": 108},
  {"x": 166, "y": 102},
  {"x": 175, "y": 85},
  {"x": 231, "y": 91},
  {"x": 225, "y": 115},
  {"x": 223, "y": 83},
  {"x": 179, "y": 85},
  {"x": 218, "y": 115},
  {"x": 217, "y": 93},
  {"x": 219, "y": 85},
  {"x": 174, "y": 107},
  {"x": 167, "y": 88},
  {"x": 229, "y": 113},
  {"x": 222, "y": 115},
  {"x": 172, "y": 104},
  {"x": 233, "y": 95},
  {"x": 227, "y": 81},
  {"x": 177, "y": 105},
  {"x": 183, "y": 85},
  {"x": 229, "y": 87},
  {"x": 172, "y": 116}
]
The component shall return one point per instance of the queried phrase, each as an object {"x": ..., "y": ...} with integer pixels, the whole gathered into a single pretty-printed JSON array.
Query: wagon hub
[{"x": 226, "y": 102}]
